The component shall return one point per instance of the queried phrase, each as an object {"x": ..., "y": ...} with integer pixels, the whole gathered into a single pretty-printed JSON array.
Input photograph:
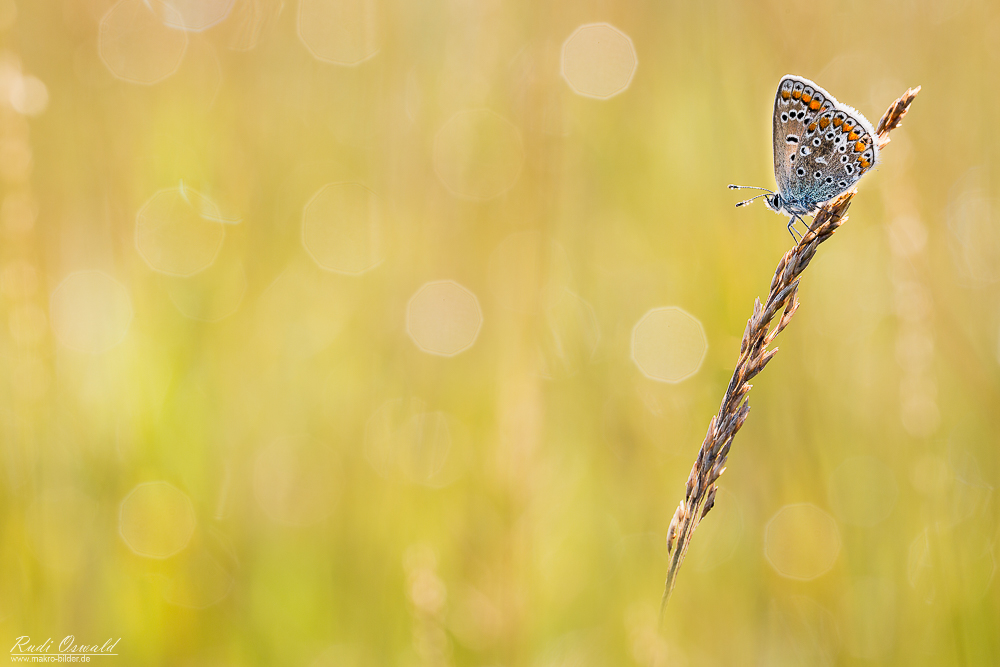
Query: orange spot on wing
[
  {"x": 848, "y": 127},
  {"x": 860, "y": 146},
  {"x": 852, "y": 136},
  {"x": 797, "y": 94},
  {"x": 823, "y": 122},
  {"x": 815, "y": 104},
  {"x": 812, "y": 127},
  {"x": 865, "y": 163},
  {"x": 785, "y": 94},
  {"x": 837, "y": 122},
  {"x": 806, "y": 97}
]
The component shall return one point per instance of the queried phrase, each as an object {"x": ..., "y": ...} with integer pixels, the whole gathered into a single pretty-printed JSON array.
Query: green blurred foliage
[{"x": 357, "y": 500}]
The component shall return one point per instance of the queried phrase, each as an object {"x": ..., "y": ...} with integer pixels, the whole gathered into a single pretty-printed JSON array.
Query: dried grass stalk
[{"x": 699, "y": 496}]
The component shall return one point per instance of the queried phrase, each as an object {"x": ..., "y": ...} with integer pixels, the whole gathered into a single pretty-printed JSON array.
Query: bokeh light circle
[
  {"x": 136, "y": 46},
  {"x": 29, "y": 96},
  {"x": 156, "y": 519},
  {"x": 297, "y": 480},
  {"x": 443, "y": 318},
  {"x": 177, "y": 231},
  {"x": 341, "y": 32},
  {"x": 478, "y": 154},
  {"x": 598, "y": 60},
  {"x": 801, "y": 541},
  {"x": 193, "y": 15},
  {"x": 341, "y": 228},
  {"x": 90, "y": 311},
  {"x": 668, "y": 344}
]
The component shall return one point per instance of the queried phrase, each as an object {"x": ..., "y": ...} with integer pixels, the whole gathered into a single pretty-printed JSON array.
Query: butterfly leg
[{"x": 792, "y": 230}]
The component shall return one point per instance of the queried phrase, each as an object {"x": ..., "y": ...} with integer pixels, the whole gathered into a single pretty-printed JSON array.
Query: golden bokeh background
[{"x": 358, "y": 332}]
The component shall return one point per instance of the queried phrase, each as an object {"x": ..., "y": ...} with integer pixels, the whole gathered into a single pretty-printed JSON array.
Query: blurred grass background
[{"x": 319, "y": 334}]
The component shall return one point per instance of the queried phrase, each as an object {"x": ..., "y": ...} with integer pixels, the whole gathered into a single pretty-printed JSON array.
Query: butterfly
[{"x": 821, "y": 149}]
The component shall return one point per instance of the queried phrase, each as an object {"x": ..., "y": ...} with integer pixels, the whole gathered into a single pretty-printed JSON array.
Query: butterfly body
[{"x": 821, "y": 148}]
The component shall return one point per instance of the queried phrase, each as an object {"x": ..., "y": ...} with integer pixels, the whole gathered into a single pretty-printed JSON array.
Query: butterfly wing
[
  {"x": 825, "y": 151},
  {"x": 788, "y": 127}
]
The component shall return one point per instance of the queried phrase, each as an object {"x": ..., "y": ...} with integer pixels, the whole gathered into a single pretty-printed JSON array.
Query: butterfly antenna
[
  {"x": 747, "y": 201},
  {"x": 749, "y": 187}
]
